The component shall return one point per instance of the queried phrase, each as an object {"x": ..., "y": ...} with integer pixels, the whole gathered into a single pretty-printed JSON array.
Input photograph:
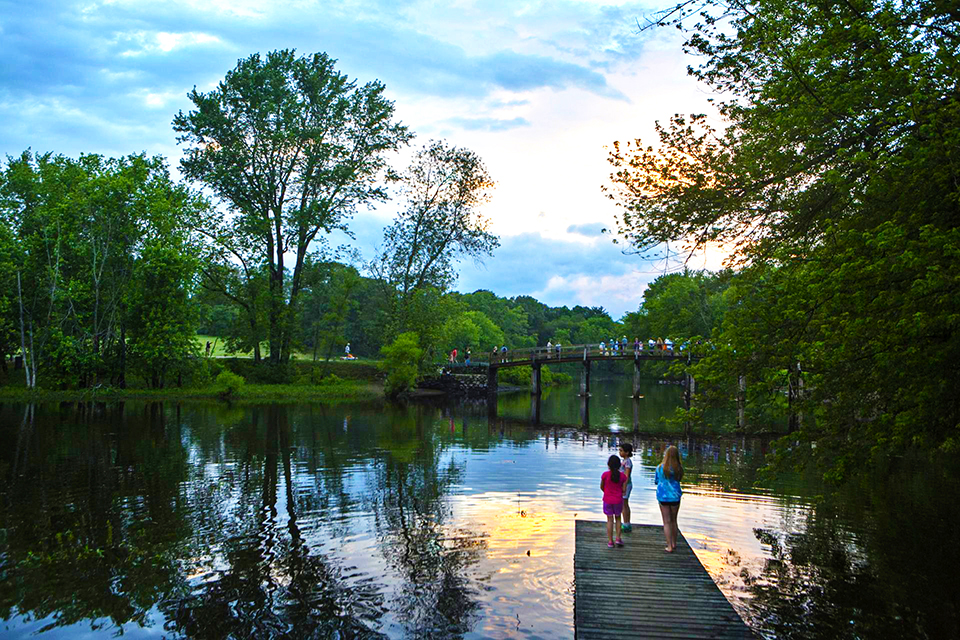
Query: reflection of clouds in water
[{"x": 536, "y": 587}]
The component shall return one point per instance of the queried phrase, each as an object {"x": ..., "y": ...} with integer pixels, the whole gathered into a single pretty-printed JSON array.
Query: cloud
[
  {"x": 588, "y": 230},
  {"x": 488, "y": 124},
  {"x": 128, "y": 65},
  {"x": 562, "y": 272}
]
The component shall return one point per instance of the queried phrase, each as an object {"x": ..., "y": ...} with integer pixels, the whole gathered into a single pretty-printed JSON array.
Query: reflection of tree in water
[
  {"x": 91, "y": 517},
  {"x": 437, "y": 598},
  {"x": 265, "y": 582},
  {"x": 894, "y": 577}
]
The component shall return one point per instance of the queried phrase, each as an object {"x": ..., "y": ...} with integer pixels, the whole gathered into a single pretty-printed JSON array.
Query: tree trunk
[
  {"x": 27, "y": 361},
  {"x": 122, "y": 382}
]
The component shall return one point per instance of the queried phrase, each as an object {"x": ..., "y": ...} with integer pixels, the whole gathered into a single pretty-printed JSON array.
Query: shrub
[
  {"x": 229, "y": 383},
  {"x": 400, "y": 360},
  {"x": 205, "y": 372}
]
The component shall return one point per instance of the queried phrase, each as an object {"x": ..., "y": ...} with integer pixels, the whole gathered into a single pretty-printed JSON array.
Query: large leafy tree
[
  {"x": 293, "y": 148},
  {"x": 445, "y": 188},
  {"x": 834, "y": 180}
]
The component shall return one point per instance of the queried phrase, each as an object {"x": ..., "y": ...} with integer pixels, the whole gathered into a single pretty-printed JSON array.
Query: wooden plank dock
[{"x": 640, "y": 591}]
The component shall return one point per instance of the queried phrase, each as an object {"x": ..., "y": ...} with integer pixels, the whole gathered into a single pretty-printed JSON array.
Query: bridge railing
[{"x": 545, "y": 354}]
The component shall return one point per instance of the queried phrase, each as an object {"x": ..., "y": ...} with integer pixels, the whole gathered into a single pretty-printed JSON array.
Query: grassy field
[
  {"x": 218, "y": 350},
  {"x": 299, "y": 380}
]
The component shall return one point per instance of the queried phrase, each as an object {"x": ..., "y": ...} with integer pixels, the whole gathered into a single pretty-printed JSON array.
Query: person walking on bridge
[{"x": 549, "y": 348}]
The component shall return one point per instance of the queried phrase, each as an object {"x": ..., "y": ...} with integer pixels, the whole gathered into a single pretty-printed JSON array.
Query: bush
[
  {"x": 229, "y": 383},
  {"x": 205, "y": 372},
  {"x": 400, "y": 360}
]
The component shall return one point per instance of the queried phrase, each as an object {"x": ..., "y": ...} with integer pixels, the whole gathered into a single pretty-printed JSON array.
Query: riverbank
[
  {"x": 347, "y": 391},
  {"x": 338, "y": 381}
]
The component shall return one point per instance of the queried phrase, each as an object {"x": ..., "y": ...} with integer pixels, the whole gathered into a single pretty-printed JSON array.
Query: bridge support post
[
  {"x": 491, "y": 380},
  {"x": 535, "y": 378},
  {"x": 636, "y": 413},
  {"x": 585, "y": 378},
  {"x": 741, "y": 401},
  {"x": 585, "y": 410},
  {"x": 535, "y": 408},
  {"x": 636, "y": 377}
]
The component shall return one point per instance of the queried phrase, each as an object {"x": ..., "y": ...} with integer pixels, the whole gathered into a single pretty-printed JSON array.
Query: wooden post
[
  {"x": 636, "y": 413},
  {"x": 585, "y": 378},
  {"x": 535, "y": 378},
  {"x": 535, "y": 408},
  {"x": 636, "y": 377},
  {"x": 585, "y": 410}
]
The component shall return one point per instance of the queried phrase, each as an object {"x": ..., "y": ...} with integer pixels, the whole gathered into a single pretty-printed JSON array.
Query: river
[{"x": 433, "y": 520}]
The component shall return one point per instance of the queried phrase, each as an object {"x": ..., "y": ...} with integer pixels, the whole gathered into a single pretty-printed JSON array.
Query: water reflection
[{"x": 210, "y": 521}]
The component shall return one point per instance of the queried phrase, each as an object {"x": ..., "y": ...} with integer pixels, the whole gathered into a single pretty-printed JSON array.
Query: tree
[
  {"x": 78, "y": 226},
  {"x": 400, "y": 360},
  {"x": 292, "y": 147},
  {"x": 445, "y": 186},
  {"x": 162, "y": 321},
  {"x": 835, "y": 180},
  {"x": 473, "y": 330}
]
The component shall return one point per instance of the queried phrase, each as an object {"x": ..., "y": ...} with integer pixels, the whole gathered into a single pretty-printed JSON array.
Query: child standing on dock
[
  {"x": 626, "y": 469},
  {"x": 612, "y": 483},
  {"x": 667, "y": 478}
]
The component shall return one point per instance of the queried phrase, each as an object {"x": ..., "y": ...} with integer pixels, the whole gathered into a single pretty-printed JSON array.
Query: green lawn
[{"x": 218, "y": 350}]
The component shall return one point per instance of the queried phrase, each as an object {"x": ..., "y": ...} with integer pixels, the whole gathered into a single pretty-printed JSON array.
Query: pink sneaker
[
  {"x": 610, "y": 545},
  {"x": 619, "y": 542}
]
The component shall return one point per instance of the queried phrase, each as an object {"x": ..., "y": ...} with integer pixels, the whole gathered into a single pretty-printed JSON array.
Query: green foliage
[
  {"x": 229, "y": 384},
  {"x": 834, "y": 184},
  {"x": 326, "y": 136},
  {"x": 400, "y": 361},
  {"x": 521, "y": 376},
  {"x": 161, "y": 321},
  {"x": 77, "y": 229},
  {"x": 471, "y": 329},
  {"x": 205, "y": 372}
]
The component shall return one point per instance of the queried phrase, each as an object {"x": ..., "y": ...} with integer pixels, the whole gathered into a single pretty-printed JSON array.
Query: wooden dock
[{"x": 640, "y": 591}]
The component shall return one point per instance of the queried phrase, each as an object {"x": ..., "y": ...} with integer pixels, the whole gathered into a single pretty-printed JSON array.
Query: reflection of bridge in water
[{"x": 585, "y": 355}]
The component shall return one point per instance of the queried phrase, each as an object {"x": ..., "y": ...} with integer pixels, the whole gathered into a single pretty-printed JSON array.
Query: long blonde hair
[{"x": 671, "y": 464}]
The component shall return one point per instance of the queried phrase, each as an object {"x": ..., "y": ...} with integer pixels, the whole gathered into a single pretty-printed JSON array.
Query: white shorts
[{"x": 627, "y": 488}]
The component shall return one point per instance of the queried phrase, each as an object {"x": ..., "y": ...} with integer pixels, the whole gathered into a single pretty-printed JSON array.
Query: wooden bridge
[
  {"x": 583, "y": 354},
  {"x": 640, "y": 591}
]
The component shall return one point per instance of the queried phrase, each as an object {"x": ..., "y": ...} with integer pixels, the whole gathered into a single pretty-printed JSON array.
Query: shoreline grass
[{"x": 346, "y": 391}]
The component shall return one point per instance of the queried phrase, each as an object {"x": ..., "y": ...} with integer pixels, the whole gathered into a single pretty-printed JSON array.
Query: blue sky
[{"x": 538, "y": 89}]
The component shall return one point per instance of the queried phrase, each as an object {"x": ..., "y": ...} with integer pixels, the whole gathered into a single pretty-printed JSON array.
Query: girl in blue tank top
[{"x": 667, "y": 478}]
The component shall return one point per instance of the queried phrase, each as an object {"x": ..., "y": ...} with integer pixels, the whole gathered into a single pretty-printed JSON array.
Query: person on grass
[
  {"x": 611, "y": 483},
  {"x": 626, "y": 469},
  {"x": 667, "y": 478}
]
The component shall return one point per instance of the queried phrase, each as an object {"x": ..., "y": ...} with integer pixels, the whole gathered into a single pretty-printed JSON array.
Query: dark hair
[
  {"x": 626, "y": 446},
  {"x": 613, "y": 463}
]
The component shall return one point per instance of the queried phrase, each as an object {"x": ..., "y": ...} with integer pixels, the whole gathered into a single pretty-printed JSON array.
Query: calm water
[{"x": 430, "y": 521}]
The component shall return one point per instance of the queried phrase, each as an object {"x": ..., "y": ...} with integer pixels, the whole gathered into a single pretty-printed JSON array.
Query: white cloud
[{"x": 165, "y": 42}]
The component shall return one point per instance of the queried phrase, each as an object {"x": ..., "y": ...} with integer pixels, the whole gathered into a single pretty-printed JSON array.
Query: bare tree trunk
[{"x": 28, "y": 363}]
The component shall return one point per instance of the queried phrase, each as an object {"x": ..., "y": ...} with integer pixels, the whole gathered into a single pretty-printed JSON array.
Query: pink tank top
[{"x": 613, "y": 492}]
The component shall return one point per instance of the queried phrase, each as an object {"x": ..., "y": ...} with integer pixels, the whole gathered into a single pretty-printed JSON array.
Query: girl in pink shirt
[{"x": 612, "y": 483}]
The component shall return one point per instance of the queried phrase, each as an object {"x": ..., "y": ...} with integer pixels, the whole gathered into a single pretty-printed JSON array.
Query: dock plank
[{"x": 640, "y": 590}]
